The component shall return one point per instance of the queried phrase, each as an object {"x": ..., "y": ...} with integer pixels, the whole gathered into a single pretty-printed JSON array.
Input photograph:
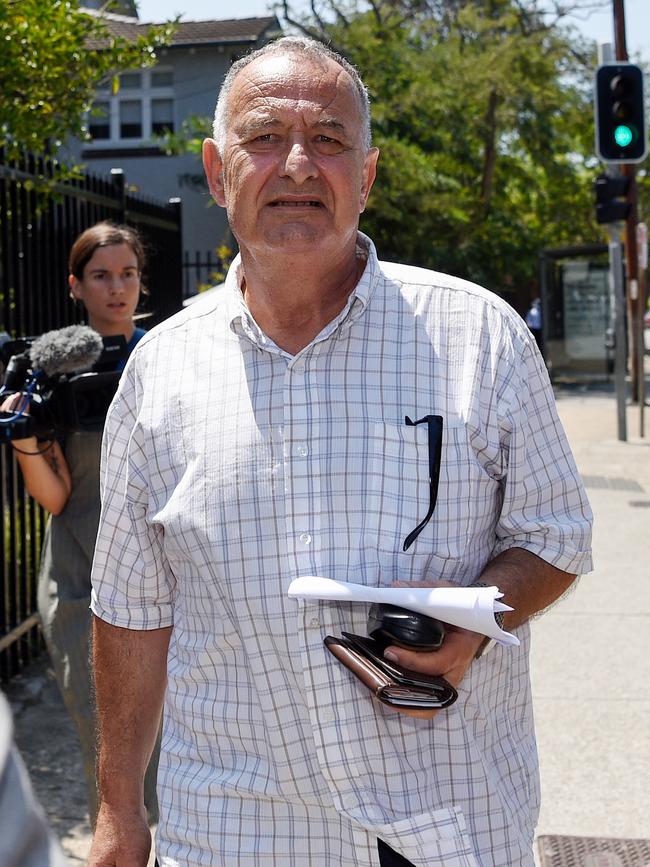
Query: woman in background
[{"x": 105, "y": 268}]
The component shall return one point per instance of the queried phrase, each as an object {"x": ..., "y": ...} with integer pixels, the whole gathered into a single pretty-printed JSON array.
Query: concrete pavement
[
  {"x": 591, "y": 659},
  {"x": 590, "y": 664}
]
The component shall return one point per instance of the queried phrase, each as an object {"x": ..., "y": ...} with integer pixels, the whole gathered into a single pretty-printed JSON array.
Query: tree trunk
[{"x": 489, "y": 152}]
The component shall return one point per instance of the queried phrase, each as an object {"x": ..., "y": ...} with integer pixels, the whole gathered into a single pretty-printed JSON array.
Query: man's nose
[
  {"x": 298, "y": 164},
  {"x": 116, "y": 284}
]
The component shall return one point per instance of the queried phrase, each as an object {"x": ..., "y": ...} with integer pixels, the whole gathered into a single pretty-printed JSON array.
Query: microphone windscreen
[{"x": 67, "y": 350}]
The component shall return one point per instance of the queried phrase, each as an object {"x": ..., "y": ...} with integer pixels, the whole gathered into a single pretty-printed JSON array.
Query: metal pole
[
  {"x": 631, "y": 258},
  {"x": 642, "y": 246},
  {"x": 640, "y": 346},
  {"x": 619, "y": 29},
  {"x": 620, "y": 355}
]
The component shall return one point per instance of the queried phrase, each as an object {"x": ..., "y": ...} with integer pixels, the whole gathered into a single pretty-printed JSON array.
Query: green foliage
[
  {"x": 189, "y": 139},
  {"x": 482, "y": 110},
  {"x": 52, "y": 57},
  {"x": 225, "y": 256},
  {"x": 483, "y": 117}
]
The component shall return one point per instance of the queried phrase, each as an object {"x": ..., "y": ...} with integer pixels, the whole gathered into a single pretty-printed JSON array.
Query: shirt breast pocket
[{"x": 401, "y": 493}]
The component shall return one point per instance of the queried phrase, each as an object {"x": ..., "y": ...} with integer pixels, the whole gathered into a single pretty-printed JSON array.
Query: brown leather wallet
[{"x": 391, "y": 684}]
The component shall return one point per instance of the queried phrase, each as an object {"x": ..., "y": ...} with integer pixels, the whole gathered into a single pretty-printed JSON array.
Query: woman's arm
[{"x": 45, "y": 472}]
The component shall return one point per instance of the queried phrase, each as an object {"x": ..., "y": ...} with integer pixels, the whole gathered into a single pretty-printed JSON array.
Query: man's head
[
  {"x": 291, "y": 160},
  {"x": 305, "y": 50}
]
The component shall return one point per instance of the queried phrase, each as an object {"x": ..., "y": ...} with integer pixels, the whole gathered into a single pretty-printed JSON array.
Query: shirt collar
[{"x": 240, "y": 319}]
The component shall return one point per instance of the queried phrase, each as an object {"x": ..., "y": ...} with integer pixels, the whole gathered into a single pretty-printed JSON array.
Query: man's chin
[{"x": 294, "y": 237}]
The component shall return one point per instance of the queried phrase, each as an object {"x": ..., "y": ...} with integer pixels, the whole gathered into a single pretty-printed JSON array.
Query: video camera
[{"x": 53, "y": 372}]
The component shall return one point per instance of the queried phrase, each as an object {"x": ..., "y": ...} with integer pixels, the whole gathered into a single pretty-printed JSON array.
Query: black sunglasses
[{"x": 434, "y": 431}]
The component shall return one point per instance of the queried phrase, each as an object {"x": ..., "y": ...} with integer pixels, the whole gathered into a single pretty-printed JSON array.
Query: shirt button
[
  {"x": 303, "y": 451},
  {"x": 298, "y": 367},
  {"x": 305, "y": 538},
  {"x": 327, "y": 715},
  {"x": 314, "y": 623}
]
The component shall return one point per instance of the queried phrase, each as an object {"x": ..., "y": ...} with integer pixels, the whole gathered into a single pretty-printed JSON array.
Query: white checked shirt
[{"x": 231, "y": 467}]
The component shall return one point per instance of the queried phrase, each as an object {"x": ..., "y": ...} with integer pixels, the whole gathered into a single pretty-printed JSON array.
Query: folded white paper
[{"x": 469, "y": 607}]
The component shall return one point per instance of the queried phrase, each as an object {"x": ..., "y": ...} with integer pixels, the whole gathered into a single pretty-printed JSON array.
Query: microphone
[{"x": 73, "y": 349}]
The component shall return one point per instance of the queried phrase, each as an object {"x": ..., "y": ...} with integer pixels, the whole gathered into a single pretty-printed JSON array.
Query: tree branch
[{"x": 303, "y": 28}]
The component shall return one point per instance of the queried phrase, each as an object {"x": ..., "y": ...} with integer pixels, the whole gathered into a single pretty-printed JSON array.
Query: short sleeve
[
  {"x": 132, "y": 583},
  {"x": 545, "y": 508}
]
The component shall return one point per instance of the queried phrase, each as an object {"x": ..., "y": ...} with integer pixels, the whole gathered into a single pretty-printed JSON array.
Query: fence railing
[
  {"x": 37, "y": 229},
  {"x": 199, "y": 269}
]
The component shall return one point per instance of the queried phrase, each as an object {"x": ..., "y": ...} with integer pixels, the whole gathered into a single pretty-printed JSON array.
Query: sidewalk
[
  {"x": 591, "y": 663},
  {"x": 50, "y": 749},
  {"x": 590, "y": 659}
]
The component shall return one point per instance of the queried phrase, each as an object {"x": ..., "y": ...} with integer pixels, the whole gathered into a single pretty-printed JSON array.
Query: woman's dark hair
[{"x": 105, "y": 234}]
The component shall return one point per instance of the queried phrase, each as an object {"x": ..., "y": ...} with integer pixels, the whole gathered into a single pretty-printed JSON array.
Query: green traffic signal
[
  {"x": 619, "y": 113},
  {"x": 623, "y": 136}
]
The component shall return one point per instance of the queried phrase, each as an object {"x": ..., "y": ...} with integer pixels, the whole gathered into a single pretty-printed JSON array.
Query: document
[{"x": 472, "y": 608}]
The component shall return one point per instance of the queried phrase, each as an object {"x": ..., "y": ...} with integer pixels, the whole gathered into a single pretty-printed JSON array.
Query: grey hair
[{"x": 309, "y": 48}]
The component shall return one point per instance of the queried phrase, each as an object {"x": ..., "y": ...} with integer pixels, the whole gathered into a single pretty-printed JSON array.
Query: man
[
  {"x": 259, "y": 436},
  {"x": 534, "y": 320}
]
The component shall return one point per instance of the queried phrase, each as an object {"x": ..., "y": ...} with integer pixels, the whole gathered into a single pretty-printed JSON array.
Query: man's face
[{"x": 294, "y": 175}]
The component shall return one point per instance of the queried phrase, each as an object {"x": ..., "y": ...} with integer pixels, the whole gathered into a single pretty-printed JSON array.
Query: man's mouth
[{"x": 302, "y": 203}]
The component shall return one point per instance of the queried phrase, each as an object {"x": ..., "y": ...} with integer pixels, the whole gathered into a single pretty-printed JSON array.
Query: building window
[
  {"x": 162, "y": 116},
  {"x": 130, "y": 118},
  {"x": 99, "y": 121},
  {"x": 131, "y": 81},
  {"x": 162, "y": 78},
  {"x": 142, "y": 107}
]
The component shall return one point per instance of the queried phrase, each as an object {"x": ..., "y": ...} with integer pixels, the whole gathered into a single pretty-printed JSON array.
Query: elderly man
[{"x": 259, "y": 436}]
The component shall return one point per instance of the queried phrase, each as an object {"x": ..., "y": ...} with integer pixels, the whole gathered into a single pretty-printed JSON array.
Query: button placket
[{"x": 302, "y": 481}]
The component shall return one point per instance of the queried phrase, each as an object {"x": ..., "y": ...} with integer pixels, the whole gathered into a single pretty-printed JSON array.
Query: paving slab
[{"x": 590, "y": 663}]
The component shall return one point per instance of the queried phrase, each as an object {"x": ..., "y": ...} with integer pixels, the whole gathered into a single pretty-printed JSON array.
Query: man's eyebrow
[
  {"x": 261, "y": 122},
  {"x": 330, "y": 123},
  {"x": 255, "y": 123}
]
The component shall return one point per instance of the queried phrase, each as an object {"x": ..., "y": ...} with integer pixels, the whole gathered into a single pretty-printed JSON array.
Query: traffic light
[
  {"x": 611, "y": 206},
  {"x": 620, "y": 120}
]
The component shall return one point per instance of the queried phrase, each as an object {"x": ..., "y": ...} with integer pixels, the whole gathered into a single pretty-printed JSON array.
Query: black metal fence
[
  {"x": 201, "y": 269},
  {"x": 37, "y": 228}
]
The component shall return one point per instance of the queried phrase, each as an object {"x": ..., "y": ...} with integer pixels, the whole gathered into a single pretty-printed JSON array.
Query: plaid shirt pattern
[{"x": 231, "y": 467}]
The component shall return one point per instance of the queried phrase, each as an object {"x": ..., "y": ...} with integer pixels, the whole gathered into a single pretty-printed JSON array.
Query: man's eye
[
  {"x": 331, "y": 144},
  {"x": 265, "y": 137}
]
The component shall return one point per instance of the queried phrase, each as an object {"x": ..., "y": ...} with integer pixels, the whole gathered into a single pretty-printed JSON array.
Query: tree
[
  {"x": 482, "y": 110},
  {"x": 53, "y": 56}
]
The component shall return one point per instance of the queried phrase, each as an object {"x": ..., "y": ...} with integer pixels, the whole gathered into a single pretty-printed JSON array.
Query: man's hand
[
  {"x": 121, "y": 839},
  {"x": 529, "y": 585},
  {"x": 451, "y": 661}
]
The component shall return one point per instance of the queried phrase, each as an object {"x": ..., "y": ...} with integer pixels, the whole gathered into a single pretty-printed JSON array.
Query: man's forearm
[
  {"x": 528, "y": 583},
  {"x": 130, "y": 677}
]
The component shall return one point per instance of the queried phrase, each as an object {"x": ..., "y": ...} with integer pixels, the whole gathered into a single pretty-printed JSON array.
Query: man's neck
[{"x": 292, "y": 300}]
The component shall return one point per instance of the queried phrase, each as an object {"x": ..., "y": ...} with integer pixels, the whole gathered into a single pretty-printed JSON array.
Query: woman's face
[{"x": 109, "y": 289}]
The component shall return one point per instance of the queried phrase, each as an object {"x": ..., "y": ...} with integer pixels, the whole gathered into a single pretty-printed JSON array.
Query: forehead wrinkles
[{"x": 310, "y": 89}]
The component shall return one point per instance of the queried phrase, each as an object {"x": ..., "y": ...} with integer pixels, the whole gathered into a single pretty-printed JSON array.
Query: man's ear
[
  {"x": 213, "y": 166},
  {"x": 369, "y": 175}
]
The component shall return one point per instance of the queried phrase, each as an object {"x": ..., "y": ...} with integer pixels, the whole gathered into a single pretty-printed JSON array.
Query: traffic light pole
[
  {"x": 620, "y": 359},
  {"x": 634, "y": 310}
]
